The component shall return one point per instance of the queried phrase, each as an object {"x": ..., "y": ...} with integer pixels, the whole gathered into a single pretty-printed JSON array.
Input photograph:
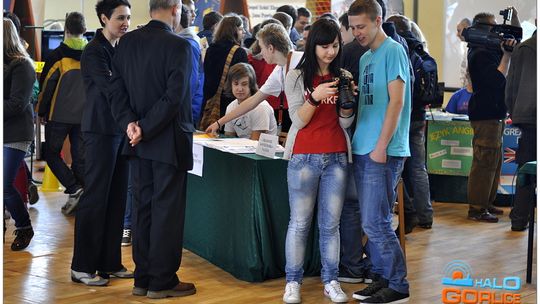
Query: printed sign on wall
[{"x": 449, "y": 150}]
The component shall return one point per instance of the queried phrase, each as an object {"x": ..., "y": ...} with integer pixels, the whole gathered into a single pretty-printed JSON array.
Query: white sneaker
[
  {"x": 333, "y": 291},
  {"x": 292, "y": 293}
]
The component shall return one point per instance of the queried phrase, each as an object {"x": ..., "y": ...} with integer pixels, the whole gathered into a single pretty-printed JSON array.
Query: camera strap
[{"x": 282, "y": 94}]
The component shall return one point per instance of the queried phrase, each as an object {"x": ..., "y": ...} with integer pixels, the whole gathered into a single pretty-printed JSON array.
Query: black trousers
[
  {"x": 159, "y": 203},
  {"x": 55, "y": 134},
  {"x": 524, "y": 195},
  {"x": 100, "y": 212}
]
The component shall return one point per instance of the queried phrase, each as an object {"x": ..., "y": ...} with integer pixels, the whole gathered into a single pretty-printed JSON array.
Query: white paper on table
[
  {"x": 198, "y": 159},
  {"x": 267, "y": 145}
]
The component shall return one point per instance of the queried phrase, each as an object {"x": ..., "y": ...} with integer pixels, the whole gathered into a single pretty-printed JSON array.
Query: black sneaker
[
  {"x": 126, "y": 238},
  {"x": 370, "y": 290},
  {"x": 33, "y": 195},
  {"x": 22, "y": 239},
  {"x": 485, "y": 216},
  {"x": 496, "y": 211},
  {"x": 519, "y": 227},
  {"x": 370, "y": 277},
  {"x": 425, "y": 225},
  {"x": 346, "y": 276},
  {"x": 386, "y": 296}
]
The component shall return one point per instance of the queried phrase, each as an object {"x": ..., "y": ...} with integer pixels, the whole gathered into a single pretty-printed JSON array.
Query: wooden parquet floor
[{"x": 40, "y": 274}]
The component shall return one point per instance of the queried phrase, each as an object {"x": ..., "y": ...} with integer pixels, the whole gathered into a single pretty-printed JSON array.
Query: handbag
[{"x": 211, "y": 111}]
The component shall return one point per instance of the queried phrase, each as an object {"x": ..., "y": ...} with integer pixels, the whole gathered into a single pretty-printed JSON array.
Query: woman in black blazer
[
  {"x": 229, "y": 32},
  {"x": 19, "y": 78}
]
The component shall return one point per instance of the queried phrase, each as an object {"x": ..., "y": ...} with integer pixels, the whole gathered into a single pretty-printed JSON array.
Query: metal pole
[{"x": 415, "y": 11}]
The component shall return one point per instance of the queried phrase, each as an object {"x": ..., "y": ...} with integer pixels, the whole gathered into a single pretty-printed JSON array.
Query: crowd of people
[{"x": 129, "y": 101}]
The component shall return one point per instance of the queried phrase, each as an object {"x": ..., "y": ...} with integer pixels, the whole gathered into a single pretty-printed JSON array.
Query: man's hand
[
  {"x": 511, "y": 43},
  {"x": 213, "y": 128},
  {"x": 43, "y": 120},
  {"x": 378, "y": 156},
  {"x": 134, "y": 133},
  {"x": 515, "y": 18}
]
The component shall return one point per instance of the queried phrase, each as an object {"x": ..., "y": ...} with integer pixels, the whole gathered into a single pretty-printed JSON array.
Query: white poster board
[{"x": 260, "y": 10}]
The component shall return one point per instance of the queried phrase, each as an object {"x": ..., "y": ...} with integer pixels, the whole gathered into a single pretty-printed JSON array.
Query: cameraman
[{"x": 488, "y": 67}]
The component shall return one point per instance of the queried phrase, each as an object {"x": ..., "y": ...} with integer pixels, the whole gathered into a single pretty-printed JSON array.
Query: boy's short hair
[
  {"x": 304, "y": 12},
  {"x": 255, "y": 47},
  {"x": 402, "y": 23},
  {"x": 107, "y": 7},
  {"x": 75, "y": 24},
  {"x": 369, "y": 7},
  {"x": 285, "y": 19},
  {"x": 277, "y": 36},
  {"x": 289, "y": 10},
  {"x": 210, "y": 20}
]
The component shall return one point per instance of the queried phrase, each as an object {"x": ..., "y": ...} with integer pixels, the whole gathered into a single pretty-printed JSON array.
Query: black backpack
[{"x": 426, "y": 89}]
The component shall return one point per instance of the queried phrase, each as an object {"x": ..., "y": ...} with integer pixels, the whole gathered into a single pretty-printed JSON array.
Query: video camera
[{"x": 491, "y": 35}]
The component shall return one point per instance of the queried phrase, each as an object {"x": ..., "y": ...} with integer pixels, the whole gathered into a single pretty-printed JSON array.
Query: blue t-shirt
[
  {"x": 377, "y": 69},
  {"x": 459, "y": 102}
]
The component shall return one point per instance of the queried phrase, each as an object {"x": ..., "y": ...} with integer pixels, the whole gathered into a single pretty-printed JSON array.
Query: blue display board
[{"x": 203, "y": 7}]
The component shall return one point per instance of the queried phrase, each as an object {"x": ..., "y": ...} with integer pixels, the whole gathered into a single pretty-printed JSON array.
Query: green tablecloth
[
  {"x": 237, "y": 216},
  {"x": 526, "y": 173}
]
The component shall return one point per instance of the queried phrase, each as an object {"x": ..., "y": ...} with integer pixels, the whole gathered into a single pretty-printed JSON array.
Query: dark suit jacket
[
  {"x": 150, "y": 84},
  {"x": 96, "y": 72}
]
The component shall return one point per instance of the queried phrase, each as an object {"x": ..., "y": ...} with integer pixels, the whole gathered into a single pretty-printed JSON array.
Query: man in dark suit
[{"x": 150, "y": 99}]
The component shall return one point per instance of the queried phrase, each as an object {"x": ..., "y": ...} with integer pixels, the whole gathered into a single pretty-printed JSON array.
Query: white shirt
[
  {"x": 275, "y": 83},
  {"x": 259, "y": 119}
]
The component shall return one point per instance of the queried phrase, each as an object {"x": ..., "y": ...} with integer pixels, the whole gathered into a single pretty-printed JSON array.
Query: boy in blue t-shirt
[{"x": 380, "y": 145}]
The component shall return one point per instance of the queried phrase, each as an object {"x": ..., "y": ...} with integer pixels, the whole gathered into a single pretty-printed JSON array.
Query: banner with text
[{"x": 449, "y": 147}]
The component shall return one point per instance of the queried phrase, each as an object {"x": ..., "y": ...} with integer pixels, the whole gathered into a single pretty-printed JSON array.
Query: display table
[{"x": 237, "y": 215}]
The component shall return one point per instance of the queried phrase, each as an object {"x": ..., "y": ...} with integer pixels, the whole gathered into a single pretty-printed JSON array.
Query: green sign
[{"x": 449, "y": 147}]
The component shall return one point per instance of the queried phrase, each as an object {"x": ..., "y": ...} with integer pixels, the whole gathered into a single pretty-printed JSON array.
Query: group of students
[{"x": 321, "y": 152}]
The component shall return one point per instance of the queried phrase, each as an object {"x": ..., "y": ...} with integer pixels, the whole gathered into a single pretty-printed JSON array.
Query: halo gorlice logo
[{"x": 461, "y": 287}]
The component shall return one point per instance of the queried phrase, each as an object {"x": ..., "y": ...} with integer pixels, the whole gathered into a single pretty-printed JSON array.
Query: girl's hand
[
  {"x": 325, "y": 90},
  {"x": 354, "y": 88}
]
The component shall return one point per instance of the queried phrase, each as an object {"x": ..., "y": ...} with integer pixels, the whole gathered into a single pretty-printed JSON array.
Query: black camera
[
  {"x": 491, "y": 35},
  {"x": 507, "y": 14},
  {"x": 346, "y": 99}
]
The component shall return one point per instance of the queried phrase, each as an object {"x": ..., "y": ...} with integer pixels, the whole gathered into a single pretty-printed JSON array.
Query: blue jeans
[
  {"x": 350, "y": 230},
  {"x": 55, "y": 134},
  {"x": 415, "y": 177},
  {"x": 307, "y": 176},
  {"x": 12, "y": 198},
  {"x": 376, "y": 184},
  {"x": 129, "y": 202}
]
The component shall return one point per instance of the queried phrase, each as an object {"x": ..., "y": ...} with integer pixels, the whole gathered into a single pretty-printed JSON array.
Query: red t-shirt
[
  {"x": 262, "y": 71},
  {"x": 322, "y": 134}
]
